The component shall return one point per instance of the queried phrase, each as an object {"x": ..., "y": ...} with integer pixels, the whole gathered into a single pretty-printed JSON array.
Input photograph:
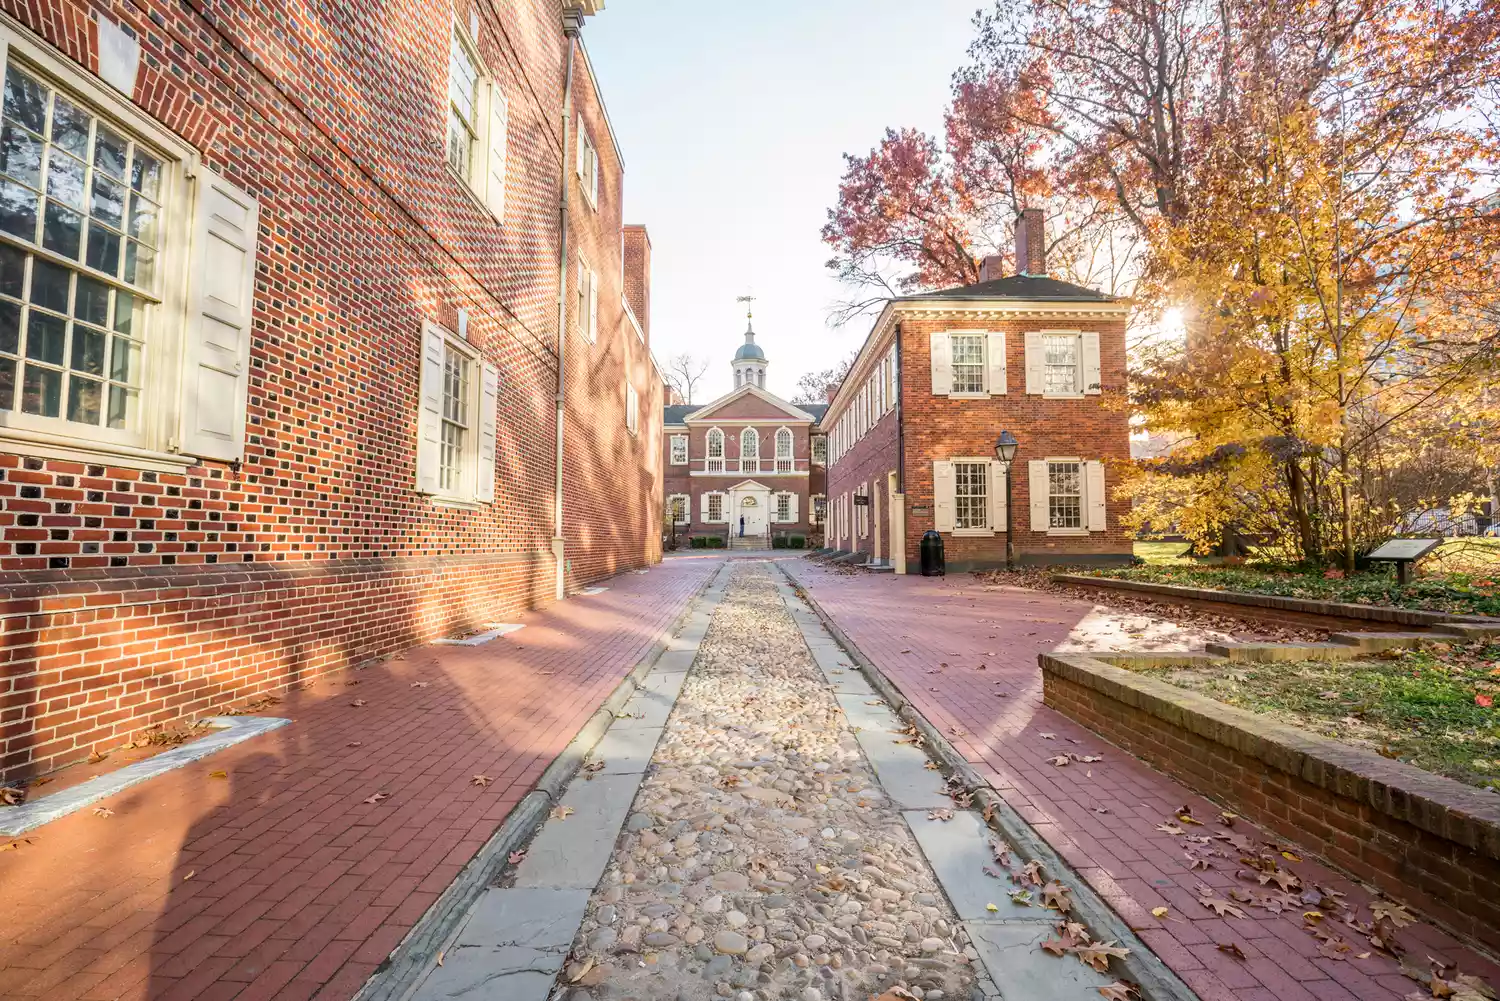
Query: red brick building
[
  {"x": 912, "y": 428},
  {"x": 300, "y": 361},
  {"x": 746, "y": 467}
]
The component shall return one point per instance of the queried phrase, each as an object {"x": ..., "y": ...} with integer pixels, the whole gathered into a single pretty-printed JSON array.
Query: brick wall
[
  {"x": 1455, "y": 885},
  {"x": 333, "y": 118},
  {"x": 865, "y": 468}
]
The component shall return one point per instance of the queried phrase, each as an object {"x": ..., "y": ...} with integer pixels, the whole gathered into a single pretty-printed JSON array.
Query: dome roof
[{"x": 749, "y": 351}]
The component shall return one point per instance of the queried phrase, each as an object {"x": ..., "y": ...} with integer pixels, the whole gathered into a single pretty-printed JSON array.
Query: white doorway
[{"x": 752, "y": 501}]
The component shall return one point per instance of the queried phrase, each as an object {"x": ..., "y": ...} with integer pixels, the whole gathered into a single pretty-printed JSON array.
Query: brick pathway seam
[
  {"x": 1156, "y": 979},
  {"x": 399, "y": 976}
]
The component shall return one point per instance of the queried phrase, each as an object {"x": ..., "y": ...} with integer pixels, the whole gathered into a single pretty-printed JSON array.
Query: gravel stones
[{"x": 761, "y": 859}]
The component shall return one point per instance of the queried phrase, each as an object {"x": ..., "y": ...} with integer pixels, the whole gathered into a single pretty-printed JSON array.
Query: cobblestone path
[{"x": 761, "y": 860}]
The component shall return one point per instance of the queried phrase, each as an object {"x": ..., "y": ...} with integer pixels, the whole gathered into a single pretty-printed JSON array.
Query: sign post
[{"x": 1403, "y": 553}]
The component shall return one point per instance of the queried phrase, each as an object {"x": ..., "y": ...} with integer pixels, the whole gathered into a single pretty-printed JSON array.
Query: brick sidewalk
[
  {"x": 279, "y": 881},
  {"x": 952, "y": 644}
]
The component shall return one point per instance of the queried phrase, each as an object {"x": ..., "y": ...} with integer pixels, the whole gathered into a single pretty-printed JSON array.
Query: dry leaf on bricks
[
  {"x": 379, "y": 797},
  {"x": 1221, "y": 907},
  {"x": 103, "y": 811},
  {"x": 11, "y": 796},
  {"x": 1231, "y": 949},
  {"x": 1060, "y": 761},
  {"x": 480, "y": 780},
  {"x": 1170, "y": 829},
  {"x": 1385, "y": 910}
]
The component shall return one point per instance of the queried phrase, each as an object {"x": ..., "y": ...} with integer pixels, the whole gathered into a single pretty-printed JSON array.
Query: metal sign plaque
[{"x": 1405, "y": 549}]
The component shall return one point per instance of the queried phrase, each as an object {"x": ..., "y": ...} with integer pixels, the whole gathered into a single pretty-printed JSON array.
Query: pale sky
[{"x": 733, "y": 119}]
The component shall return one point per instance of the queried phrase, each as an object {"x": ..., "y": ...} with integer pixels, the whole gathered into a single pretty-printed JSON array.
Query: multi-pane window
[
  {"x": 968, "y": 362},
  {"x": 715, "y": 512},
  {"x": 455, "y": 428},
  {"x": 679, "y": 508},
  {"x": 749, "y": 451},
  {"x": 679, "y": 449},
  {"x": 784, "y": 461},
  {"x": 819, "y": 509},
  {"x": 820, "y": 450},
  {"x": 1061, "y": 361},
  {"x": 715, "y": 452},
  {"x": 463, "y": 106},
  {"x": 73, "y": 319},
  {"x": 783, "y": 507},
  {"x": 588, "y": 165},
  {"x": 1064, "y": 495},
  {"x": 971, "y": 495},
  {"x": 588, "y": 302},
  {"x": 632, "y": 409}
]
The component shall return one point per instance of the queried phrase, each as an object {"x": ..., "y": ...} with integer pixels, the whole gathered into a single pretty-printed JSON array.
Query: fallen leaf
[
  {"x": 1097, "y": 954},
  {"x": 190, "y": 875},
  {"x": 931, "y": 766},
  {"x": 95, "y": 757},
  {"x": 1059, "y": 761},
  {"x": 1049, "y": 736},
  {"x": 940, "y": 815},
  {"x": 1170, "y": 829},
  {"x": 378, "y": 797},
  {"x": 1185, "y": 814},
  {"x": 516, "y": 858},
  {"x": 359, "y": 702},
  {"x": 1386, "y": 910},
  {"x": 11, "y": 796},
  {"x": 991, "y": 907},
  {"x": 1055, "y": 946},
  {"x": 594, "y": 768},
  {"x": 1221, "y": 907},
  {"x": 419, "y": 684},
  {"x": 1054, "y": 894},
  {"x": 1484, "y": 701},
  {"x": 1330, "y": 695},
  {"x": 1228, "y": 819},
  {"x": 1160, "y": 912},
  {"x": 581, "y": 971},
  {"x": 958, "y": 731},
  {"x": 103, "y": 811},
  {"x": 1290, "y": 857},
  {"x": 1119, "y": 991},
  {"x": 1021, "y": 897},
  {"x": 441, "y": 954},
  {"x": 480, "y": 780},
  {"x": 1032, "y": 873},
  {"x": 219, "y": 774},
  {"x": 355, "y": 743},
  {"x": 1231, "y": 949},
  {"x": 562, "y": 812},
  {"x": 989, "y": 812}
]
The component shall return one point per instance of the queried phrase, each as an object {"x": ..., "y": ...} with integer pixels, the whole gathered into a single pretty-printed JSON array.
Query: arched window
[
  {"x": 784, "y": 461},
  {"x": 715, "y": 462},
  {"x": 749, "y": 451}
]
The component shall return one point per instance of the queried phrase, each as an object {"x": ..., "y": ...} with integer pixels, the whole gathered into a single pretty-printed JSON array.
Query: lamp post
[{"x": 1005, "y": 451}]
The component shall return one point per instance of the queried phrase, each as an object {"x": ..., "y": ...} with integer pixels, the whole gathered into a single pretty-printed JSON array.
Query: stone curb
[
  {"x": 402, "y": 971},
  {"x": 1310, "y": 606},
  {"x": 1156, "y": 980}
]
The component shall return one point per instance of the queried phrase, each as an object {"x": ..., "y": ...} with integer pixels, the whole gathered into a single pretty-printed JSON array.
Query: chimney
[
  {"x": 1031, "y": 244},
  {"x": 674, "y": 398},
  {"x": 831, "y": 390},
  {"x": 637, "y": 250},
  {"x": 991, "y": 268}
]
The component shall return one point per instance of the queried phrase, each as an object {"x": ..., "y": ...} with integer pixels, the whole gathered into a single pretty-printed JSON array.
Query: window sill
[
  {"x": 972, "y": 533},
  {"x": 460, "y": 503},
  {"x": 1068, "y": 532},
  {"x": 20, "y": 441},
  {"x": 1062, "y": 396},
  {"x": 474, "y": 195},
  {"x": 968, "y": 396}
]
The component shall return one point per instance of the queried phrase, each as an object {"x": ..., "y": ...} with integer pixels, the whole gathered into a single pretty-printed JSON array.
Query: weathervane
[{"x": 747, "y": 300}]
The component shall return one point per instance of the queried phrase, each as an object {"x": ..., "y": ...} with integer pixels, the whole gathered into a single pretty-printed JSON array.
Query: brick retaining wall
[{"x": 1426, "y": 840}]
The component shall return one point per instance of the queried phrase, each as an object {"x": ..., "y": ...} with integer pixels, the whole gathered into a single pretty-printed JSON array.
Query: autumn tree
[{"x": 814, "y": 387}]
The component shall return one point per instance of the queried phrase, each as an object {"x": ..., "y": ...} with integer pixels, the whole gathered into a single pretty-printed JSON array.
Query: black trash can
[{"x": 932, "y": 555}]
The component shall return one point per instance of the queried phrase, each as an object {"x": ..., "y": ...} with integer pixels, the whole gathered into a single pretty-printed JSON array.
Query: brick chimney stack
[
  {"x": 1031, "y": 243},
  {"x": 991, "y": 268},
  {"x": 637, "y": 250}
]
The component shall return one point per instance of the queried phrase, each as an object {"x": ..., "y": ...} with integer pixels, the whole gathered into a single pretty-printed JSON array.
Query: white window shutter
[
  {"x": 1094, "y": 487},
  {"x": 1036, "y": 376},
  {"x": 942, "y": 495},
  {"x": 593, "y": 307},
  {"x": 489, "y": 402},
  {"x": 703, "y": 505},
  {"x": 687, "y": 509},
  {"x": 582, "y": 145},
  {"x": 430, "y": 411},
  {"x": 1039, "y": 491},
  {"x": 216, "y": 358},
  {"x": 594, "y": 176},
  {"x": 994, "y": 357},
  {"x": 1092, "y": 380},
  {"x": 495, "y": 177},
  {"x": 942, "y": 364},
  {"x": 795, "y": 515},
  {"x": 998, "y": 513}
]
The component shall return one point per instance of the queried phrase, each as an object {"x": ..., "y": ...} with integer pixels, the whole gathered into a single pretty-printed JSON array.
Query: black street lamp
[{"x": 1005, "y": 450}]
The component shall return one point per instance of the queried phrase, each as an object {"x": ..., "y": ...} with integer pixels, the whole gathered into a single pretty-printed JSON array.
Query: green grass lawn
[
  {"x": 1161, "y": 552},
  {"x": 1422, "y": 707}
]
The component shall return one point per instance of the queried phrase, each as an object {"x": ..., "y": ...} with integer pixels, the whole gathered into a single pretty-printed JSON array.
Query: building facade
[
  {"x": 746, "y": 467},
  {"x": 912, "y": 429},
  {"x": 300, "y": 361}
]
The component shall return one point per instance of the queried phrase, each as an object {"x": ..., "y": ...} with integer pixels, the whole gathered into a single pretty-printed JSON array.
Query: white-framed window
[
  {"x": 971, "y": 495},
  {"x": 862, "y": 513},
  {"x": 819, "y": 510},
  {"x": 632, "y": 409},
  {"x": 1062, "y": 360},
  {"x": 679, "y": 456},
  {"x": 820, "y": 450},
  {"x": 680, "y": 505},
  {"x": 588, "y": 165},
  {"x": 749, "y": 451},
  {"x": 1064, "y": 495},
  {"x": 456, "y": 421},
  {"x": 1067, "y": 496},
  {"x": 784, "y": 460},
  {"x": 478, "y": 123},
  {"x": 587, "y": 315},
  {"x": 783, "y": 509},
  {"x": 713, "y": 509},
  {"x": 1063, "y": 363},
  {"x": 98, "y": 223},
  {"x": 714, "y": 451},
  {"x": 967, "y": 363}
]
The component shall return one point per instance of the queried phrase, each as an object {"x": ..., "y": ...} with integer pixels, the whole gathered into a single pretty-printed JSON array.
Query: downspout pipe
[
  {"x": 572, "y": 21},
  {"x": 898, "y": 546}
]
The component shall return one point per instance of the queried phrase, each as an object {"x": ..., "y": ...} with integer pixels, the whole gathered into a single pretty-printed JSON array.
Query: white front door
[{"x": 754, "y": 508}]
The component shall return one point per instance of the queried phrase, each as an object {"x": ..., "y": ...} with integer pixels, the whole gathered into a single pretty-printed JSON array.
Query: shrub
[
  {"x": 714, "y": 541},
  {"x": 796, "y": 542},
  {"x": 699, "y": 542},
  {"x": 778, "y": 542}
]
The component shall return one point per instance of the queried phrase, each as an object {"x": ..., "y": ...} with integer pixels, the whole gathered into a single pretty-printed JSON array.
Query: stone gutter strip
[
  {"x": 399, "y": 976},
  {"x": 227, "y": 731},
  {"x": 1156, "y": 981},
  {"x": 1440, "y": 806},
  {"x": 1345, "y": 610}
]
